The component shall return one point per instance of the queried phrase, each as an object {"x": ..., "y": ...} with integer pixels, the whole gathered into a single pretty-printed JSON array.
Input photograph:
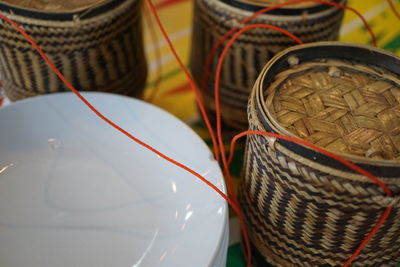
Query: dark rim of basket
[
  {"x": 365, "y": 55},
  {"x": 59, "y": 16},
  {"x": 281, "y": 11}
]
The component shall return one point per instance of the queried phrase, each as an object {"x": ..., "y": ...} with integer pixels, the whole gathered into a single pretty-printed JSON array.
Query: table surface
[{"x": 174, "y": 87}]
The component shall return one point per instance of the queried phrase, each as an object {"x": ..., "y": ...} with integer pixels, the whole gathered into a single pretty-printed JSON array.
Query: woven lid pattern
[{"x": 340, "y": 106}]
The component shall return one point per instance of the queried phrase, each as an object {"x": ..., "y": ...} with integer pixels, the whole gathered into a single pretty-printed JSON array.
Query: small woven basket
[
  {"x": 301, "y": 207},
  {"x": 213, "y": 18},
  {"x": 97, "y": 48}
]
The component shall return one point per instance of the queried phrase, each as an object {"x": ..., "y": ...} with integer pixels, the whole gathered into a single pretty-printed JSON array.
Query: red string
[
  {"x": 216, "y": 90},
  {"x": 233, "y": 202},
  {"x": 230, "y": 202},
  {"x": 189, "y": 77},
  {"x": 394, "y": 9},
  {"x": 111, "y": 123},
  {"x": 339, "y": 159},
  {"x": 157, "y": 52},
  {"x": 317, "y": 148},
  {"x": 234, "y": 206},
  {"x": 295, "y": 140},
  {"x": 231, "y": 192},
  {"x": 210, "y": 56}
]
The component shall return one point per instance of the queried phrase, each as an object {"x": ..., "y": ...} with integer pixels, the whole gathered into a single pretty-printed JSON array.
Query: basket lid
[
  {"x": 55, "y": 5},
  {"x": 97, "y": 9},
  {"x": 290, "y": 10},
  {"x": 343, "y": 97},
  {"x": 266, "y": 3}
]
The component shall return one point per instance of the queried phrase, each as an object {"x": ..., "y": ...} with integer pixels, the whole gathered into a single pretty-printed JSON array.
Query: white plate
[
  {"x": 75, "y": 192},
  {"x": 220, "y": 259}
]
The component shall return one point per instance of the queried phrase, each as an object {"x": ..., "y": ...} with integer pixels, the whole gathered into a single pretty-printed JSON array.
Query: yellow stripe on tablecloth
[
  {"x": 177, "y": 22},
  {"x": 379, "y": 16},
  {"x": 181, "y": 104}
]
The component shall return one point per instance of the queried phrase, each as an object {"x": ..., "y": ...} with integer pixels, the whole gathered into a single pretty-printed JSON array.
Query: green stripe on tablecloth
[
  {"x": 393, "y": 46},
  {"x": 235, "y": 256},
  {"x": 167, "y": 76}
]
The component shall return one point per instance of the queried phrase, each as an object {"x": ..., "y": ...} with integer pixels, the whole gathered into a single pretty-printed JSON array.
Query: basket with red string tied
[
  {"x": 96, "y": 44},
  {"x": 309, "y": 20},
  {"x": 302, "y": 207}
]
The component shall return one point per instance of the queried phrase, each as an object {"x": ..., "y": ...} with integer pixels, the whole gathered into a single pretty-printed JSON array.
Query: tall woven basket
[
  {"x": 301, "y": 207},
  {"x": 213, "y": 18},
  {"x": 98, "y": 47}
]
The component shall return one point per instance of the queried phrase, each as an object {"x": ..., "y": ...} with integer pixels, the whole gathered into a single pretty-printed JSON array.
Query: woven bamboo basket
[
  {"x": 301, "y": 207},
  {"x": 97, "y": 45},
  {"x": 213, "y": 18}
]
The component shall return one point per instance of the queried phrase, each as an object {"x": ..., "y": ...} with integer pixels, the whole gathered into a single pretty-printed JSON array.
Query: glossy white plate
[
  {"x": 75, "y": 192},
  {"x": 221, "y": 257}
]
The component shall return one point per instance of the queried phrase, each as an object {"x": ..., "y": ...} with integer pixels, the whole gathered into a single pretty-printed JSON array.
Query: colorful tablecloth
[{"x": 174, "y": 93}]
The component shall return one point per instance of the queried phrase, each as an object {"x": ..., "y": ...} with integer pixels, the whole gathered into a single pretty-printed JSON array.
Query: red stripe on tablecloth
[
  {"x": 166, "y": 3},
  {"x": 179, "y": 90}
]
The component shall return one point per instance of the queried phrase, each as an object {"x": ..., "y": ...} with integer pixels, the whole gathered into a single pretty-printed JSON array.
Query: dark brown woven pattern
[
  {"x": 213, "y": 18},
  {"x": 100, "y": 53},
  {"x": 54, "y": 5},
  {"x": 274, "y": 2},
  {"x": 335, "y": 105},
  {"x": 301, "y": 212}
]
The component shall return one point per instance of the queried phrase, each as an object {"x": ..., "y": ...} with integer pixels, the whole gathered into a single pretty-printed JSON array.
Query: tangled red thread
[
  {"x": 232, "y": 199},
  {"x": 290, "y": 139},
  {"x": 216, "y": 88},
  {"x": 213, "y": 51}
]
